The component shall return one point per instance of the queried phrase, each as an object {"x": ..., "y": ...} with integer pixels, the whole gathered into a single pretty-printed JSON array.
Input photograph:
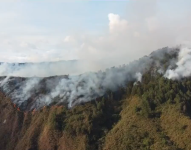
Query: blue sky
[
  {"x": 64, "y": 17},
  {"x": 89, "y": 16},
  {"x": 114, "y": 31}
]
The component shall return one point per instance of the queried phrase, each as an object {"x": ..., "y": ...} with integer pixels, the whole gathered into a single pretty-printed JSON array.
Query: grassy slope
[
  {"x": 134, "y": 131},
  {"x": 42, "y": 130},
  {"x": 177, "y": 126},
  {"x": 33, "y": 131}
]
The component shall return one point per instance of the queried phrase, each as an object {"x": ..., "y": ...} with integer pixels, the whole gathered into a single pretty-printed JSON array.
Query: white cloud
[
  {"x": 69, "y": 39},
  {"x": 116, "y": 24}
]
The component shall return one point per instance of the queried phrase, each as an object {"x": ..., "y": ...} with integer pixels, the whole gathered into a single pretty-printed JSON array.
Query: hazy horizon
[{"x": 101, "y": 33}]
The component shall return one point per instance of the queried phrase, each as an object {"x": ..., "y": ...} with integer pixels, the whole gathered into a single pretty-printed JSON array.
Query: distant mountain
[
  {"x": 41, "y": 69},
  {"x": 29, "y": 63}
]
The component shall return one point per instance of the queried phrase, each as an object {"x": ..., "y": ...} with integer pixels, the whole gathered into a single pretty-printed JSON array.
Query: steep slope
[
  {"x": 151, "y": 113},
  {"x": 55, "y": 127},
  {"x": 86, "y": 127},
  {"x": 36, "y": 92},
  {"x": 134, "y": 131}
]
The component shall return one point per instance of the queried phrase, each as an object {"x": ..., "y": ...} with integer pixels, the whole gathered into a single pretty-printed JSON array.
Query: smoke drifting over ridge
[
  {"x": 45, "y": 69},
  {"x": 35, "y": 92},
  {"x": 118, "y": 38},
  {"x": 71, "y": 89},
  {"x": 183, "y": 68}
]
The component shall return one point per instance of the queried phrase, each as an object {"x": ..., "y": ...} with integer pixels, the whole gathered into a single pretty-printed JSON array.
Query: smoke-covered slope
[
  {"x": 143, "y": 105},
  {"x": 40, "y": 69},
  {"x": 153, "y": 114},
  {"x": 36, "y": 92}
]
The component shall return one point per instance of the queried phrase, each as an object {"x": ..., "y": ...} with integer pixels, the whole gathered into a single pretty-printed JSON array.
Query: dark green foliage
[
  {"x": 94, "y": 119},
  {"x": 135, "y": 116},
  {"x": 159, "y": 90},
  {"x": 97, "y": 118}
]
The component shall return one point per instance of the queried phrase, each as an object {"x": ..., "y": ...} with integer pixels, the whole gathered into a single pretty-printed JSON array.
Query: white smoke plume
[
  {"x": 183, "y": 68},
  {"x": 71, "y": 90},
  {"x": 36, "y": 92},
  {"x": 145, "y": 27},
  {"x": 23, "y": 93},
  {"x": 139, "y": 76},
  {"x": 45, "y": 69}
]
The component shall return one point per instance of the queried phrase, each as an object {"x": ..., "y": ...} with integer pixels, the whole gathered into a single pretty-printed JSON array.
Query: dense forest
[{"x": 153, "y": 113}]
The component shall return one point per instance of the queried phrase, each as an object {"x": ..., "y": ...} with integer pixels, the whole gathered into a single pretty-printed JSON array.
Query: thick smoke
[
  {"x": 146, "y": 26},
  {"x": 35, "y": 92},
  {"x": 44, "y": 69},
  {"x": 139, "y": 76},
  {"x": 183, "y": 65}
]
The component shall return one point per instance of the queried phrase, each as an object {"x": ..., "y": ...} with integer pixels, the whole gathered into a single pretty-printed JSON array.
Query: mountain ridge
[{"x": 151, "y": 111}]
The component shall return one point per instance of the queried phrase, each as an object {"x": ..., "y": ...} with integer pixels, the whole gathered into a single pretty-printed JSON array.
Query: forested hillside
[{"x": 151, "y": 113}]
